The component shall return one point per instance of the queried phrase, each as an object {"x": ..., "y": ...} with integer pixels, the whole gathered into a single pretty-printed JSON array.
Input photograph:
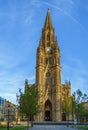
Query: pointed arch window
[
  {"x": 47, "y": 61},
  {"x": 48, "y": 37},
  {"x": 48, "y": 44}
]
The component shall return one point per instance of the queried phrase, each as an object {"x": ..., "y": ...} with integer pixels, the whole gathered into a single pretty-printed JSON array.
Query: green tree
[
  {"x": 75, "y": 105},
  {"x": 67, "y": 106},
  {"x": 29, "y": 103},
  {"x": 78, "y": 107}
]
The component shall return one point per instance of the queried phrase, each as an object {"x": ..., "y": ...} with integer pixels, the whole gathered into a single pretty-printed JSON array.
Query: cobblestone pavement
[{"x": 51, "y": 127}]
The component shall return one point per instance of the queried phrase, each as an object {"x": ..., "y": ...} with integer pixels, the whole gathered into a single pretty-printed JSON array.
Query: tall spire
[{"x": 48, "y": 22}]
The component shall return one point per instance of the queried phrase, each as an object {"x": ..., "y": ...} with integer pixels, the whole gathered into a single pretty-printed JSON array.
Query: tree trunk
[
  {"x": 28, "y": 123},
  {"x": 31, "y": 121},
  {"x": 67, "y": 119}
]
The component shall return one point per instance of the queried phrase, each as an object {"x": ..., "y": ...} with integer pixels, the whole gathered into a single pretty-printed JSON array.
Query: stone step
[
  {"x": 58, "y": 123},
  {"x": 53, "y": 123}
]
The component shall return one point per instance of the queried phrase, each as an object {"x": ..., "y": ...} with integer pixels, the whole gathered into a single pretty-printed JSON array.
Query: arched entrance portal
[
  {"x": 63, "y": 116},
  {"x": 48, "y": 111}
]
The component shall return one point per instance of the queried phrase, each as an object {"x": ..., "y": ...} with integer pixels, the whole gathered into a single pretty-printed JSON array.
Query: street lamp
[
  {"x": 8, "y": 117},
  {"x": 16, "y": 114}
]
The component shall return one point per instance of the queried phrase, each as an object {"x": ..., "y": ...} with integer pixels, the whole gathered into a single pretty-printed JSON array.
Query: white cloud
[{"x": 27, "y": 19}]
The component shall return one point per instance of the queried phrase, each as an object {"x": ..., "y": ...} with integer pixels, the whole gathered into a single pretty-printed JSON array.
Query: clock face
[{"x": 48, "y": 49}]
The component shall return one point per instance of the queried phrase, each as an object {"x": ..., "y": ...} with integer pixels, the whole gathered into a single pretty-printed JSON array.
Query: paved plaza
[{"x": 51, "y": 127}]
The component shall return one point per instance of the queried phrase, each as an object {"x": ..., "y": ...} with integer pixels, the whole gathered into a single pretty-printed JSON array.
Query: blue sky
[{"x": 21, "y": 23}]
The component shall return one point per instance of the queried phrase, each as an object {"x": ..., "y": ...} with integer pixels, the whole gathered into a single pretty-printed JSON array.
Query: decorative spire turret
[{"x": 26, "y": 85}]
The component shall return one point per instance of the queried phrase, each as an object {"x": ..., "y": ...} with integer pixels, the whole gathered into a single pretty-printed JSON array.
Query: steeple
[
  {"x": 48, "y": 39},
  {"x": 48, "y": 22}
]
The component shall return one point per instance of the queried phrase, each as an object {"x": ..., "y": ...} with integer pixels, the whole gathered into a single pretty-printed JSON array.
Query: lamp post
[
  {"x": 8, "y": 117},
  {"x": 17, "y": 100},
  {"x": 16, "y": 115}
]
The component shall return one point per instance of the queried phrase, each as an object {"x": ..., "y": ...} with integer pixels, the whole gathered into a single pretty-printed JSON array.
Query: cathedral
[{"x": 48, "y": 76}]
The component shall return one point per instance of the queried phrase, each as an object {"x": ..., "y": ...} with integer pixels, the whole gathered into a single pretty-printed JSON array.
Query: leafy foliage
[
  {"x": 67, "y": 105},
  {"x": 79, "y": 109},
  {"x": 75, "y": 105},
  {"x": 29, "y": 101}
]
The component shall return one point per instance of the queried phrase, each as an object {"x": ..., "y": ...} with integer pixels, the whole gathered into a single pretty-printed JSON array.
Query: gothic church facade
[{"x": 48, "y": 76}]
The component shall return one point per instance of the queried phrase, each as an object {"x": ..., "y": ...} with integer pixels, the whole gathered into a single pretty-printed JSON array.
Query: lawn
[
  {"x": 14, "y": 128},
  {"x": 82, "y": 127}
]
